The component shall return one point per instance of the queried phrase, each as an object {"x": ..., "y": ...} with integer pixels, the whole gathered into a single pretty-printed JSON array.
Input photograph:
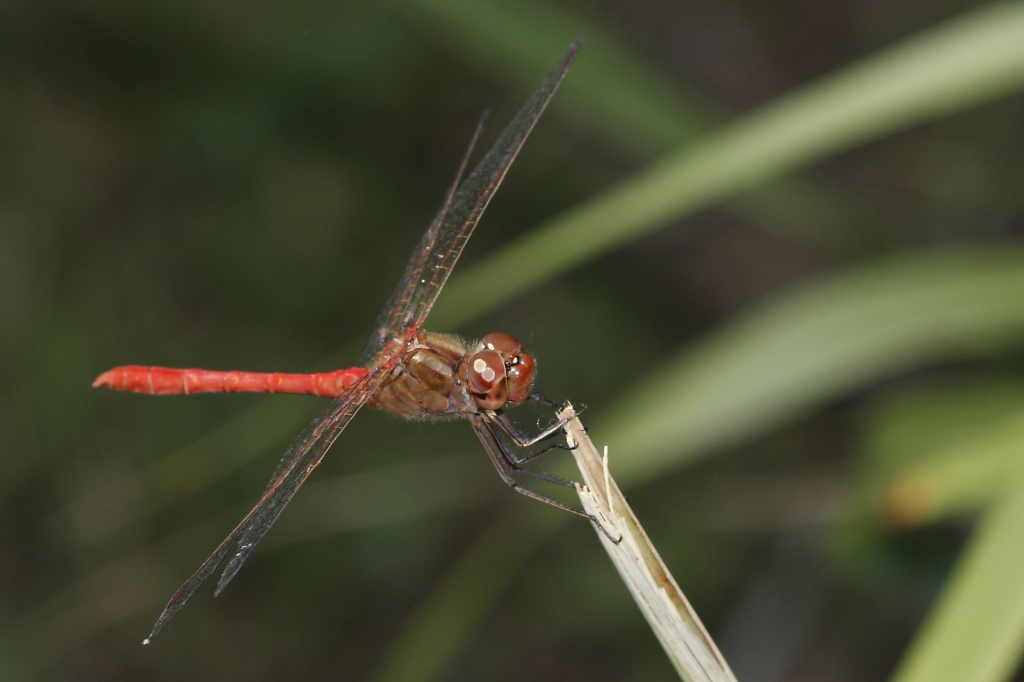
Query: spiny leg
[
  {"x": 557, "y": 407},
  {"x": 537, "y": 397},
  {"x": 516, "y": 434},
  {"x": 501, "y": 459},
  {"x": 522, "y": 440}
]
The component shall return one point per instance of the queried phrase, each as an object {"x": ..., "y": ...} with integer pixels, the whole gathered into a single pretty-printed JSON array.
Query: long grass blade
[{"x": 960, "y": 64}]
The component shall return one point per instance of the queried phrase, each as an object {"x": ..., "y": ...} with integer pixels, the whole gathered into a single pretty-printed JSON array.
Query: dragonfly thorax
[{"x": 440, "y": 375}]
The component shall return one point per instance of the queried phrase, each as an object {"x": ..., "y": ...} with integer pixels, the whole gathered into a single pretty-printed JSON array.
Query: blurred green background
[{"x": 774, "y": 247}]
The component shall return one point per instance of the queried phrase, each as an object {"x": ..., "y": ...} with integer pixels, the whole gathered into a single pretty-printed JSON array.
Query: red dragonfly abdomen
[{"x": 166, "y": 381}]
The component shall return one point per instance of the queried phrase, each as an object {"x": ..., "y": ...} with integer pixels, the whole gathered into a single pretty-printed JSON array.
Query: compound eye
[
  {"x": 502, "y": 343},
  {"x": 486, "y": 374},
  {"x": 520, "y": 378}
]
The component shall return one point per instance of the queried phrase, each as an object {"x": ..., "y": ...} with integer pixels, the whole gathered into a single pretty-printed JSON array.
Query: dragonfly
[{"x": 403, "y": 369}]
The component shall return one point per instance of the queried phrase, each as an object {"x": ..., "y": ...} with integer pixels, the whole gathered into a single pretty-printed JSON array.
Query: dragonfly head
[{"x": 499, "y": 373}]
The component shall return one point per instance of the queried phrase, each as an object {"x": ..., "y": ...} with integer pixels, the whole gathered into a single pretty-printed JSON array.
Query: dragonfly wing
[
  {"x": 472, "y": 197},
  {"x": 441, "y": 246},
  {"x": 304, "y": 454},
  {"x": 399, "y": 303}
]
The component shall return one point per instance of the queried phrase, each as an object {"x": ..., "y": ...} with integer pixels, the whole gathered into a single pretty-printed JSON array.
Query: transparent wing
[
  {"x": 440, "y": 247},
  {"x": 403, "y": 293},
  {"x": 304, "y": 454}
]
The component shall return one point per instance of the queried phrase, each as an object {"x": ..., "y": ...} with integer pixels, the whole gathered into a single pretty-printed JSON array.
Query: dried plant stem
[{"x": 682, "y": 635}]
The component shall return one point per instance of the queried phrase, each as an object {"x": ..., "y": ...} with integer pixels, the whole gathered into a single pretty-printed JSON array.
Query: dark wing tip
[{"x": 574, "y": 48}]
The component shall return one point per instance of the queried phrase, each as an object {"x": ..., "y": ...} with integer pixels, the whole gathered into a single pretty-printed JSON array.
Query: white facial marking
[{"x": 485, "y": 372}]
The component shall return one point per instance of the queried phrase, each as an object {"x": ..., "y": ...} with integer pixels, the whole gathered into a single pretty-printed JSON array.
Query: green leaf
[
  {"x": 813, "y": 345},
  {"x": 976, "y": 631},
  {"x": 958, "y": 479},
  {"x": 931, "y": 449}
]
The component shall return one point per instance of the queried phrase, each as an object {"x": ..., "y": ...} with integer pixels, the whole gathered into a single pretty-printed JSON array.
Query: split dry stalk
[{"x": 675, "y": 623}]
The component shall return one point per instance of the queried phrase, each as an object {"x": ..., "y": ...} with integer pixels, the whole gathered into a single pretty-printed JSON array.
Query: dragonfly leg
[
  {"x": 520, "y": 438},
  {"x": 558, "y": 407},
  {"x": 537, "y": 397},
  {"x": 503, "y": 462},
  {"x": 518, "y": 462},
  {"x": 514, "y": 465}
]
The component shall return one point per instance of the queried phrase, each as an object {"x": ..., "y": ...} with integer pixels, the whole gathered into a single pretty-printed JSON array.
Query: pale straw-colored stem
[{"x": 675, "y": 623}]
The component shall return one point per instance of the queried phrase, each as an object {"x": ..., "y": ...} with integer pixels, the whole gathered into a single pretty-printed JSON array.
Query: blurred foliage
[{"x": 775, "y": 247}]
